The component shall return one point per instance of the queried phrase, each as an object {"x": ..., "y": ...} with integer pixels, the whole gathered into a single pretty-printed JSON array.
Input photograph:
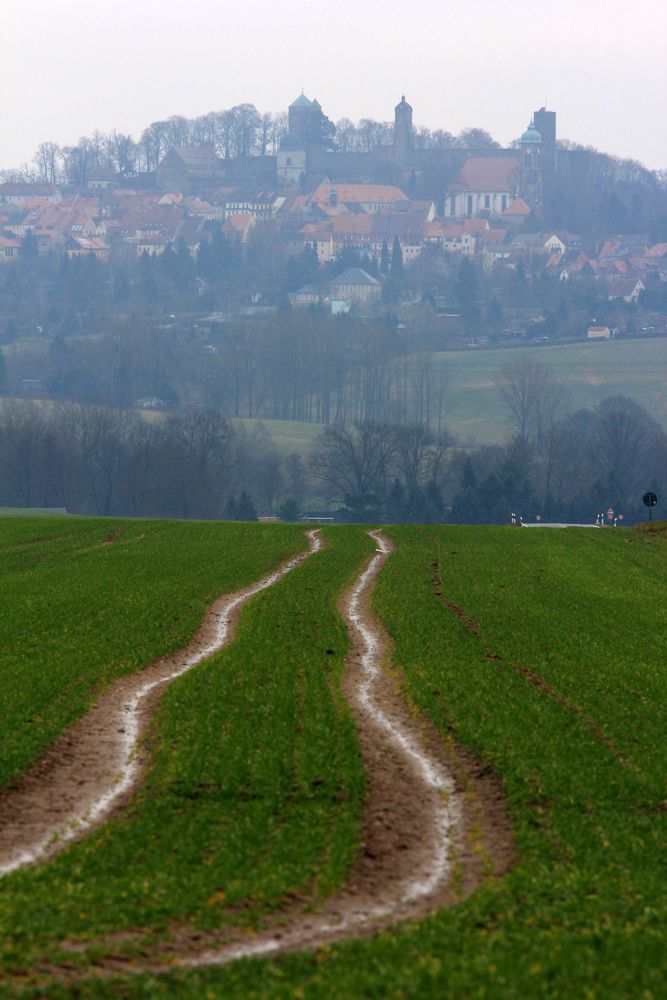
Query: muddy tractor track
[
  {"x": 93, "y": 768},
  {"x": 435, "y": 822}
]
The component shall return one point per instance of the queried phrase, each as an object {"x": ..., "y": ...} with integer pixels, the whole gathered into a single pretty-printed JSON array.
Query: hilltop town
[
  {"x": 498, "y": 207},
  {"x": 460, "y": 242},
  {"x": 331, "y": 276}
]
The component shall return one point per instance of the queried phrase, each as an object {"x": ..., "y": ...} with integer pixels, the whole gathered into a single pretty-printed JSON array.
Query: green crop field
[
  {"x": 543, "y": 652},
  {"x": 87, "y": 600},
  {"x": 288, "y": 435},
  {"x": 588, "y": 371}
]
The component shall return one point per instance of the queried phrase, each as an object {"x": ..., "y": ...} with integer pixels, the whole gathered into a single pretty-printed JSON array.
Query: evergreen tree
[
  {"x": 29, "y": 250},
  {"x": 289, "y": 510},
  {"x": 467, "y": 290},
  {"x": 245, "y": 508},
  {"x": 468, "y": 477},
  {"x": 231, "y": 508},
  {"x": 396, "y": 503},
  {"x": 396, "y": 259},
  {"x": 384, "y": 258},
  {"x": 435, "y": 506}
]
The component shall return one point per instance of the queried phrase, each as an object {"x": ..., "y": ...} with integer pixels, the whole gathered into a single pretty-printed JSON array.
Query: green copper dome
[{"x": 531, "y": 134}]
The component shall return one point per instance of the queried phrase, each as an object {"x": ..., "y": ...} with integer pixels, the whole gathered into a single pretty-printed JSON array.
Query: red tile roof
[
  {"x": 518, "y": 207},
  {"x": 358, "y": 193},
  {"x": 488, "y": 173}
]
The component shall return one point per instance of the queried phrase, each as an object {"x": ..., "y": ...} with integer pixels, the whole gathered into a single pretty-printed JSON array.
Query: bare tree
[
  {"x": 353, "y": 462},
  {"x": 627, "y": 444},
  {"x": 46, "y": 161},
  {"x": 533, "y": 396}
]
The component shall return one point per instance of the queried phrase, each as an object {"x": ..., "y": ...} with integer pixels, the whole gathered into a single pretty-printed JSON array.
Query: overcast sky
[{"x": 74, "y": 66}]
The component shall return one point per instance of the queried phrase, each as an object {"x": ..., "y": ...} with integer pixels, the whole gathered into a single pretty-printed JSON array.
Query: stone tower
[
  {"x": 299, "y": 119},
  {"x": 545, "y": 123},
  {"x": 402, "y": 132}
]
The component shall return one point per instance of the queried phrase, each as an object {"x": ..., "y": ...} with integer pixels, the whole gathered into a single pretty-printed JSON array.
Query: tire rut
[
  {"x": 93, "y": 768},
  {"x": 435, "y": 824}
]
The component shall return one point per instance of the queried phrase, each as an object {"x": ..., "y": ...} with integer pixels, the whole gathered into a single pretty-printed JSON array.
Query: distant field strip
[
  {"x": 588, "y": 372},
  {"x": 87, "y": 600},
  {"x": 97, "y": 764}
]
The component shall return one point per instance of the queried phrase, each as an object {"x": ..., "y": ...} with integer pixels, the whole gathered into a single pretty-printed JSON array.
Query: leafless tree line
[
  {"x": 357, "y": 465},
  {"x": 318, "y": 369},
  {"x": 96, "y": 460},
  {"x": 238, "y": 131},
  {"x": 324, "y": 371},
  {"x": 616, "y": 448}
]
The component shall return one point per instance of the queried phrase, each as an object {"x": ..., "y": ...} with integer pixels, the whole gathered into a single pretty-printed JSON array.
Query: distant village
[{"x": 389, "y": 205}]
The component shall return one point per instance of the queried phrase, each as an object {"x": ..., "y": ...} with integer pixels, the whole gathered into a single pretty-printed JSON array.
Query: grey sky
[{"x": 78, "y": 65}]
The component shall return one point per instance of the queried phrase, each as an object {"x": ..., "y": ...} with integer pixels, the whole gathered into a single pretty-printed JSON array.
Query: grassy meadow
[
  {"x": 543, "y": 652},
  {"x": 588, "y": 371},
  {"x": 474, "y": 411}
]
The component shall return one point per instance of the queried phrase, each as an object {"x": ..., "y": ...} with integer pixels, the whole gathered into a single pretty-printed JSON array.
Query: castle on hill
[{"x": 465, "y": 182}]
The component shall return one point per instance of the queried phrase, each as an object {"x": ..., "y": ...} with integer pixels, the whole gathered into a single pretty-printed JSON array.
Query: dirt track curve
[
  {"x": 435, "y": 822},
  {"x": 93, "y": 768}
]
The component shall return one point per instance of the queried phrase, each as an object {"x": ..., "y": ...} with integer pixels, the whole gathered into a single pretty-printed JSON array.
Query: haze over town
[{"x": 74, "y": 68}]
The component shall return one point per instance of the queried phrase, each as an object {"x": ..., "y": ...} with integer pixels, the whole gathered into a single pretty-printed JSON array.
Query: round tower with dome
[{"x": 530, "y": 187}]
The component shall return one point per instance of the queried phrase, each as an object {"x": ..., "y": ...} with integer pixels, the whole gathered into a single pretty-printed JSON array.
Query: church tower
[
  {"x": 530, "y": 186},
  {"x": 402, "y": 132}
]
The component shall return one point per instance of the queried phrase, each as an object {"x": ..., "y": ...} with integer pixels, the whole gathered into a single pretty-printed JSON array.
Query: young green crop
[
  {"x": 545, "y": 653},
  {"x": 254, "y": 793},
  {"x": 86, "y": 600}
]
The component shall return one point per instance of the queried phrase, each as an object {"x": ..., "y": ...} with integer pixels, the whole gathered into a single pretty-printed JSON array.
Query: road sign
[
  {"x": 610, "y": 513},
  {"x": 649, "y": 500}
]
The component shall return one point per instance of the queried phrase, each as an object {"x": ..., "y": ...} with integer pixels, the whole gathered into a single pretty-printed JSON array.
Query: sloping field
[
  {"x": 588, "y": 371},
  {"x": 543, "y": 653}
]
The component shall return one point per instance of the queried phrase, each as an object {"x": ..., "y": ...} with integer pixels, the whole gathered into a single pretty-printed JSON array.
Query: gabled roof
[
  {"x": 493, "y": 236},
  {"x": 354, "y": 276},
  {"x": 28, "y": 189},
  {"x": 102, "y": 174},
  {"x": 359, "y": 193},
  {"x": 193, "y": 157},
  {"x": 301, "y": 102},
  {"x": 517, "y": 207},
  {"x": 488, "y": 174}
]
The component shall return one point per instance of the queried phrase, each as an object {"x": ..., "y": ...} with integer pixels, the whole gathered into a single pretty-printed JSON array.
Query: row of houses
[{"x": 371, "y": 219}]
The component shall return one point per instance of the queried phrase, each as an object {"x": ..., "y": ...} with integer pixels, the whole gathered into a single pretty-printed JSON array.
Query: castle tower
[
  {"x": 545, "y": 123},
  {"x": 402, "y": 131},
  {"x": 299, "y": 117}
]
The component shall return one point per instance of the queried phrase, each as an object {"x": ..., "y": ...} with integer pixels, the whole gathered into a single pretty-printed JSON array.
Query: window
[
  {"x": 504, "y": 202},
  {"x": 487, "y": 201},
  {"x": 469, "y": 204}
]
